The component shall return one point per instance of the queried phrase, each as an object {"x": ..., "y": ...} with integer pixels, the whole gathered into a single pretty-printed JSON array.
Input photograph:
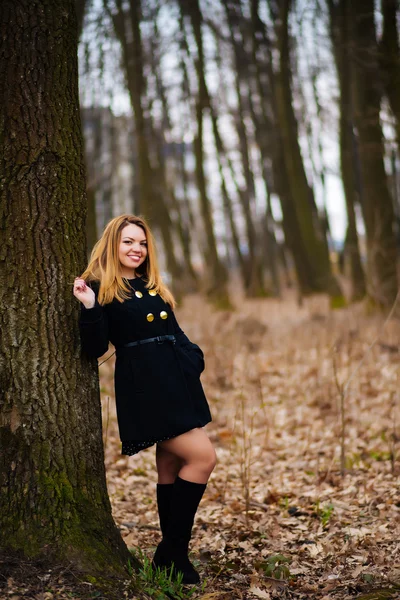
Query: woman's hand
[{"x": 84, "y": 293}]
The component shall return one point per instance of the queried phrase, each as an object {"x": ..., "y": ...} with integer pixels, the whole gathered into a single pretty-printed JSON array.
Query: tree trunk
[
  {"x": 269, "y": 139},
  {"x": 227, "y": 202},
  {"x": 376, "y": 203},
  {"x": 340, "y": 43},
  {"x": 271, "y": 247},
  {"x": 189, "y": 279},
  {"x": 54, "y": 498},
  {"x": 133, "y": 62},
  {"x": 254, "y": 272},
  {"x": 81, "y": 6},
  {"x": 218, "y": 274},
  {"x": 150, "y": 202},
  {"x": 390, "y": 59},
  {"x": 91, "y": 228},
  {"x": 271, "y": 151},
  {"x": 187, "y": 211},
  {"x": 312, "y": 232}
]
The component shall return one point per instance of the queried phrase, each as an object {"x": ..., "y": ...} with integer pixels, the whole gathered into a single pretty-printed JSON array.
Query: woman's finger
[{"x": 80, "y": 285}]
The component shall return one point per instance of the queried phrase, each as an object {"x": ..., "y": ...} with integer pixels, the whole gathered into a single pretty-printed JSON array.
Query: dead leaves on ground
[{"x": 277, "y": 489}]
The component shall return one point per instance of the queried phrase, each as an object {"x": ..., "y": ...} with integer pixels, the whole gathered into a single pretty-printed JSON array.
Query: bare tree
[
  {"x": 339, "y": 27},
  {"x": 390, "y": 59},
  {"x": 377, "y": 206},
  {"x": 81, "y": 6},
  {"x": 151, "y": 202},
  {"x": 312, "y": 231},
  {"x": 217, "y": 271}
]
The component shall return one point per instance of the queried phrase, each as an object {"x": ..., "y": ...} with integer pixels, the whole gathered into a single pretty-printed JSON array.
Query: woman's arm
[
  {"x": 93, "y": 321},
  {"x": 186, "y": 345},
  {"x": 93, "y": 326},
  {"x": 181, "y": 338}
]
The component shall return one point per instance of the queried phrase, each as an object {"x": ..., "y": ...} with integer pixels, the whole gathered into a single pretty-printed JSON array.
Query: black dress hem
[{"x": 130, "y": 448}]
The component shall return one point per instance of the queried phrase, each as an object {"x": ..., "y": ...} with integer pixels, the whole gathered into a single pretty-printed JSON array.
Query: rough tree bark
[
  {"x": 53, "y": 499},
  {"x": 377, "y": 206}
]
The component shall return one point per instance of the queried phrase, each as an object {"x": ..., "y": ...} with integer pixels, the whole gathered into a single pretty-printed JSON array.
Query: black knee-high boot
[
  {"x": 164, "y": 494},
  {"x": 173, "y": 549}
]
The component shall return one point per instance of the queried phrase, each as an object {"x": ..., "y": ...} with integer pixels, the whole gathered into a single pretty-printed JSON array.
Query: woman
[{"x": 159, "y": 397}]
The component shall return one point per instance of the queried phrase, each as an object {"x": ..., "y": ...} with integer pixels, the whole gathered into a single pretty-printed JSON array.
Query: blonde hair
[{"x": 104, "y": 265}]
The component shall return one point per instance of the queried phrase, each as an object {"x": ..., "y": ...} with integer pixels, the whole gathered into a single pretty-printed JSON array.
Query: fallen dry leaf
[
  {"x": 277, "y": 490},
  {"x": 256, "y": 591}
]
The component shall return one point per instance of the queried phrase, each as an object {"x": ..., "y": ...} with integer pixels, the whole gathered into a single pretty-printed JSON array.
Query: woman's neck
[{"x": 127, "y": 275}]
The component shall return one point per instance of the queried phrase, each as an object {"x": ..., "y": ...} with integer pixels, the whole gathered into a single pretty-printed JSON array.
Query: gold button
[
  {"x": 138, "y": 294},
  {"x": 163, "y": 314},
  {"x": 152, "y": 292},
  {"x": 150, "y": 317}
]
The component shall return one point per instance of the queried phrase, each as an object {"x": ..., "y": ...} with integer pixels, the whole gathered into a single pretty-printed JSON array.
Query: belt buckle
[{"x": 159, "y": 340}]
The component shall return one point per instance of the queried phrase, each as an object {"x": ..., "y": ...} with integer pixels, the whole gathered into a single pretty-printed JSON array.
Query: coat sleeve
[
  {"x": 93, "y": 326},
  {"x": 181, "y": 338},
  {"x": 188, "y": 347}
]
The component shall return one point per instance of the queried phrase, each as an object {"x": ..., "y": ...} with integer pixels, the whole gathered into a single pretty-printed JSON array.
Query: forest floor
[
  {"x": 305, "y": 499},
  {"x": 304, "y": 502}
]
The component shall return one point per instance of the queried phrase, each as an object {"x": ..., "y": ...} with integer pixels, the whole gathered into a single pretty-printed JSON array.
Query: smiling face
[{"x": 132, "y": 250}]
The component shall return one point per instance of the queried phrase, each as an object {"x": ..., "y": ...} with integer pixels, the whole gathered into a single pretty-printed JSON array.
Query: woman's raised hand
[{"x": 84, "y": 293}]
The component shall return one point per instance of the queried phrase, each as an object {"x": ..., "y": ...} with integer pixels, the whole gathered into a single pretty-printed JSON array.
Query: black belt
[{"x": 159, "y": 339}]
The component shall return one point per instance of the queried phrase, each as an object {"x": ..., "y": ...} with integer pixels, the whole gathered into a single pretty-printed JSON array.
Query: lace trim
[{"x": 131, "y": 448}]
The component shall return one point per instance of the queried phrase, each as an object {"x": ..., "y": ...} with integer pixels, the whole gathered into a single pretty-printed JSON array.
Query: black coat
[{"x": 157, "y": 385}]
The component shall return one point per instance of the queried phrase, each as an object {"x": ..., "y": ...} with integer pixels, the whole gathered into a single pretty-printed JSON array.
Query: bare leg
[
  {"x": 196, "y": 455},
  {"x": 168, "y": 465}
]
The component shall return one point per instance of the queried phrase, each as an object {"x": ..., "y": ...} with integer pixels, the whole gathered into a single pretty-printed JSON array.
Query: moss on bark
[{"x": 53, "y": 499}]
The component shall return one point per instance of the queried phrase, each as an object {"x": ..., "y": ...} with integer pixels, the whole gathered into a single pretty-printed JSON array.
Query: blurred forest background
[
  {"x": 261, "y": 140},
  {"x": 259, "y": 137}
]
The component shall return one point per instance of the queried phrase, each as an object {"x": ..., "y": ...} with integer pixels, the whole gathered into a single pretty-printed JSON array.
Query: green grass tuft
[{"x": 161, "y": 584}]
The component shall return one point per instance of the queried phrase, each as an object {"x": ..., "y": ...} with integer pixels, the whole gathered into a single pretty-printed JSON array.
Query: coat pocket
[{"x": 192, "y": 359}]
